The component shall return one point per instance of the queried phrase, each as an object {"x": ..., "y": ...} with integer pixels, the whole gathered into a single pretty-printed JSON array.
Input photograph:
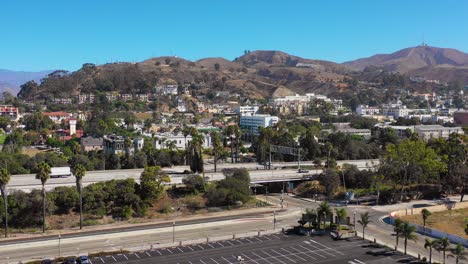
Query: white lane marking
[
  {"x": 351, "y": 262},
  {"x": 180, "y": 250},
  {"x": 312, "y": 251},
  {"x": 201, "y": 247},
  {"x": 359, "y": 261},
  {"x": 210, "y": 245},
  {"x": 114, "y": 258},
  {"x": 147, "y": 253},
  {"x": 125, "y": 256},
  {"x": 250, "y": 241},
  {"x": 249, "y": 258},
  {"x": 169, "y": 251},
  {"x": 267, "y": 238},
  {"x": 230, "y": 242},
  {"x": 290, "y": 253},
  {"x": 327, "y": 247},
  {"x": 102, "y": 260},
  {"x": 160, "y": 254},
  {"x": 274, "y": 257},
  {"x": 191, "y": 248},
  {"x": 214, "y": 261},
  {"x": 202, "y": 261},
  {"x": 276, "y": 236},
  {"x": 302, "y": 252},
  {"x": 137, "y": 255},
  {"x": 220, "y": 244},
  {"x": 257, "y": 238},
  {"x": 284, "y": 256},
  {"x": 90, "y": 261}
]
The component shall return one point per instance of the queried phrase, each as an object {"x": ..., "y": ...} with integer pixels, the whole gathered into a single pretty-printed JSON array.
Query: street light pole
[
  {"x": 173, "y": 232},
  {"x": 274, "y": 220},
  {"x": 60, "y": 245},
  {"x": 354, "y": 220}
]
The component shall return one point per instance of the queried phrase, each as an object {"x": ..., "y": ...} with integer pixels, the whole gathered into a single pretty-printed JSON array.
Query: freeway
[{"x": 258, "y": 174}]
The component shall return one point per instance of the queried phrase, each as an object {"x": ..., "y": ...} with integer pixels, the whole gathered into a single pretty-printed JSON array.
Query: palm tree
[
  {"x": 216, "y": 141},
  {"x": 43, "y": 174},
  {"x": 397, "y": 228},
  {"x": 364, "y": 221},
  {"x": 186, "y": 131},
  {"x": 323, "y": 211},
  {"x": 430, "y": 244},
  {"x": 458, "y": 253},
  {"x": 79, "y": 171},
  {"x": 4, "y": 179},
  {"x": 232, "y": 132},
  {"x": 171, "y": 145},
  {"x": 340, "y": 214},
  {"x": 442, "y": 244},
  {"x": 425, "y": 215},
  {"x": 408, "y": 232},
  {"x": 311, "y": 216}
]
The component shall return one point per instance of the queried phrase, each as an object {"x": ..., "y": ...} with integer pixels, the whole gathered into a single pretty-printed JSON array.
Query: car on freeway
[
  {"x": 302, "y": 171},
  {"x": 83, "y": 260}
]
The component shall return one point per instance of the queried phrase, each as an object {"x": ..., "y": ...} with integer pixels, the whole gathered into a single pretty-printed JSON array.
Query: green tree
[
  {"x": 443, "y": 245},
  {"x": 364, "y": 222},
  {"x": 397, "y": 228},
  {"x": 330, "y": 180},
  {"x": 429, "y": 244},
  {"x": 196, "y": 153},
  {"x": 43, "y": 174},
  {"x": 217, "y": 147},
  {"x": 4, "y": 179},
  {"x": 458, "y": 253},
  {"x": 408, "y": 232},
  {"x": 323, "y": 211},
  {"x": 152, "y": 181},
  {"x": 79, "y": 171},
  {"x": 340, "y": 214},
  {"x": 195, "y": 183},
  {"x": 233, "y": 132},
  {"x": 310, "y": 217},
  {"x": 425, "y": 215},
  {"x": 186, "y": 131}
]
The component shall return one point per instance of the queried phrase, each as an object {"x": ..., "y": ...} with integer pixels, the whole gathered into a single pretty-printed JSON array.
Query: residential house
[{"x": 91, "y": 143}]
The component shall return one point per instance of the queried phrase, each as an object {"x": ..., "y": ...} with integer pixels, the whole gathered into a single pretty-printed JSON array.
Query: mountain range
[{"x": 257, "y": 74}]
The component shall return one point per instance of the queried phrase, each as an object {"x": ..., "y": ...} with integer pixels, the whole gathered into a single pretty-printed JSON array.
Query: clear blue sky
[{"x": 41, "y": 35}]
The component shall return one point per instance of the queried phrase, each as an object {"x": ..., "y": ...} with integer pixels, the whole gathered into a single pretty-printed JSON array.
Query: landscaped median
[{"x": 446, "y": 220}]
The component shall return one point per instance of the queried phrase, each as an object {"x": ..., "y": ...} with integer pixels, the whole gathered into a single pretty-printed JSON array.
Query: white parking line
[
  {"x": 226, "y": 260},
  {"x": 281, "y": 255},
  {"x": 267, "y": 238},
  {"x": 312, "y": 251},
  {"x": 169, "y": 251},
  {"x": 296, "y": 255},
  {"x": 180, "y": 250},
  {"x": 326, "y": 247},
  {"x": 191, "y": 248},
  {"x": 324, "y": 250},
  {"x": 202, "y": 261},
  {"x": 147, "y": 253},
  {"x": 230, "y": 242},
  {"x": 220, "y": 244},
  {"x": 276, "y": 257},
  {"x": 114, "y": 258},
  {"x": 214, "y": 261},
  {"x": 137, "y": 255},
  {"x": 276, "y": 236},
  {"x": 249, "y": 240},
  {"x": 125, "y": 256},
  {"x": 359, "y": 261},
  {"x": 201, "y": 247},
  {"x": 90, "y": 261},
  {"x": 210, "y": 245},
  {"x": 257, "y": 238},
  {"x": 265, "y": 259},
  {"x": 301, "y": 252},
  {"x": 160, "y": 254},
  {"x": 249, "y": 258},
  {"x": 102, "y": 260}
]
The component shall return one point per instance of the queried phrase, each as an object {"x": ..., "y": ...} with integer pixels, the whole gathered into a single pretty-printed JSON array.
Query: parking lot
[{"x": 271, "y": 249}]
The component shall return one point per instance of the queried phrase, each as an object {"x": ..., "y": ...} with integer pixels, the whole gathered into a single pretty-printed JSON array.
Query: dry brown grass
[{"x": 451, "y": 221}]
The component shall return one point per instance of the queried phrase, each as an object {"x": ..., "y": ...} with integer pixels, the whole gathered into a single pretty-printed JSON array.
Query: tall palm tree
[
  {"x": 430, "y": 244},
  {"x": 79, "y": 171},
  {"x": 311, "y": 216},
  {"x": 397, "y": 228},
  {"x": 186, "y": 131},
  {"x": 43, "y": 174},
  {"x": 408, "y": 232},
  {"x": 4, "y": 179},
  {"x": 425, "y": 215},
  {"x": 323, "y": 211},
  {"x": 237, "y": 134},
  {"x": 442, "y": 244},
  {"x": 340, "y": 214},
  {"x": 216, "y": 141},
  {"x": 232, "y": 132},
  {"x": 364, "y": 221},
  {"x": 458, "y": 253}
]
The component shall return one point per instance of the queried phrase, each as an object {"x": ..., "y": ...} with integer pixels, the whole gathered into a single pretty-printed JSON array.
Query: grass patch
[
  {"x": 2, "y": 138},
  {"x": 450, "y": 221}
]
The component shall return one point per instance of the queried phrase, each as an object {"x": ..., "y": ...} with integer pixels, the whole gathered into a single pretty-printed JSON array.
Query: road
[{"x": 258, "y": 174}]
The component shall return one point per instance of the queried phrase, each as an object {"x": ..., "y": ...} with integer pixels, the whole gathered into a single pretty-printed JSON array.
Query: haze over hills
[
  {"x": 10, "y": 81},
  {"x": 426, "y": 61}
]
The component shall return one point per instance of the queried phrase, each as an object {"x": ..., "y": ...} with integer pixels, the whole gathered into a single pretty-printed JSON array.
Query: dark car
[
  {"x": 70, "y": 260},
  {"x": 302, "y": 171},
  {"x": 83, "y": 260},
  {"x": 46, "y": 261}
]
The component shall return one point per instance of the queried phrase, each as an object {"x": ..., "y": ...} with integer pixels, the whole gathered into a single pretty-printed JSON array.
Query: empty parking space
[{"x": 272, "y": 249}]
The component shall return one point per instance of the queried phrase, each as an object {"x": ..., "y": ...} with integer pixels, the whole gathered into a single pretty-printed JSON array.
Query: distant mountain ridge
[
  {"x": 431, "y": 62},
  {"x": 12, "y": 80}
]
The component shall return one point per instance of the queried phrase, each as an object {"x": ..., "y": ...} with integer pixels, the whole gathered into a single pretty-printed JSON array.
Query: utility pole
[
  {"x": 60, "y": 245},
  {"x": 282, "y": 197},
  {"x": 269, "y": 157}
]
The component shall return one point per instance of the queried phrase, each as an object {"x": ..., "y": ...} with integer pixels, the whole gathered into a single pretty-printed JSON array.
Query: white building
[
  {"x": 253, "y": 122},
  {"x": 427, "y": 132},
  {"x": 170, "y": 89},
  {"x": 366, "y": 110},
  {"x": 161, "y": 140},
  {"x": 246, "y": 110},
  {"x": 396, "y": 112}
]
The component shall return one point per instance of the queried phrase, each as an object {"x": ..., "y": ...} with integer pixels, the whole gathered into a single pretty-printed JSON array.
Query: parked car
[
  {"x": 70, "y": 260},
  {"x": 302, "y": 171},
  {"x": 83, "y": 260},
  {"x": 46, "y": 261}
]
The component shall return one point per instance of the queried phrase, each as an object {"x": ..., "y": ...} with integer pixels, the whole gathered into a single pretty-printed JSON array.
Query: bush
[{"x": 194, "y": 203}]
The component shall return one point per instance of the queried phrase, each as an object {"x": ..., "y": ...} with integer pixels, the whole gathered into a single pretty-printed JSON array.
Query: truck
[{"x": 58, "y": 172}]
